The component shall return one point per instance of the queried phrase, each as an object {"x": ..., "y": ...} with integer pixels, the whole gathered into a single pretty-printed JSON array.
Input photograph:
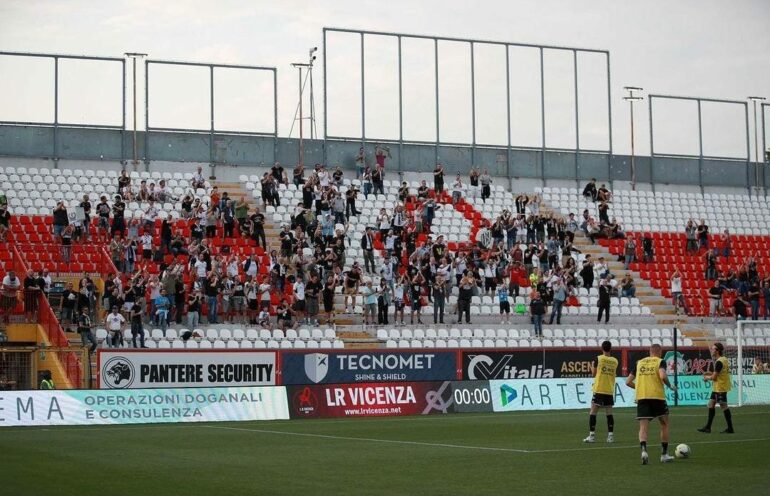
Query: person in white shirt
[
  {"x": 200, "y": 270},
  {"x": 198, "y": 181},
  {"x": 299, "y": 299},
  {"x": 146, "y": 241},
  {"x": 457, "y": 189},
  {"x": 150, "y": 215},
  {"x": 10, "y": 289},
  {"x": 264, "y": 300},
  {"x": 388, "y": 270},
  {"x": 114, "y": 323},
  {"x": 233, "y": 266}
]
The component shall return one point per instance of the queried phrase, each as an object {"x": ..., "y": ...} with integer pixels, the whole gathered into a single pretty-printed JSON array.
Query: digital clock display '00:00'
[{"x": 471, "y": 396}]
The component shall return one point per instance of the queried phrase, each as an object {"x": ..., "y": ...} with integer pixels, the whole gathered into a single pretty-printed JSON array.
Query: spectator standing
[
  {"x": 739, "y": 307},
  {"x": 691, "y": 235},
  {"x": 60, "y": 220},
  {"x": 439, "y": 288},
  {"x": 384, "y": 298},
  {"x": 753, "y": 296},
  {"x": 703, "y": 235},
  {"x": 486, "y": 185},
  {"x": 711, "y": 264},
  {"x": 473, "y": 178},
  {"x": 85, "y": 330},
  {"x": 438, "y": 179},
  {"x": 604, "y": 300},
  {"x": 629, "y": 252},
  {"x": 715, "y": 300},
  {"x": 360, "y": 162},
  {"x": 537, "y": 311},
  {"x": 457, "y": 189},
  {"x": 380, "y": 154},
  {"x": 466, "y": 287},
  {"x": 369, "y": 295},
  {"x": 137, "y": 327},
  {"x": 367, "y": 245},
  {"x": 10, "y": 289},
  {"x": 560, "y": 293}
]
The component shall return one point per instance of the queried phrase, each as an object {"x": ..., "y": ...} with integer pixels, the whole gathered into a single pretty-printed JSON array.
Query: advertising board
[
  {"x": 514, "y": 395},
  {"x": 370, "y": 399},
  {"x": 129, "y": 369},
  {"x": 526, "y": 364},
  {"x": 111, "y": 407},
  {"x": 350, "y": 366}
]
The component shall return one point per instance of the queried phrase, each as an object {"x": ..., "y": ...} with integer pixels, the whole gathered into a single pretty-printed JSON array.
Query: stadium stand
[{"x": 465, "y": 221}]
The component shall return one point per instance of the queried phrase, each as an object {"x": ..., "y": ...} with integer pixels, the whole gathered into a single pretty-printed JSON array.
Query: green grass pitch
[{"x": 520, "y": 453}]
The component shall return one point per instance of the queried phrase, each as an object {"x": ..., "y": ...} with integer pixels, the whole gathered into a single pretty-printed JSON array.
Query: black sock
[
  {"x": 610, "y": 423},
  {"x": 712, "y": 412},
  {"x": 643, "y": 444},
  {"x": 592, "y": 423},
  {"x": 664, "y": 448},
  {"x": 729, "y": 418}
]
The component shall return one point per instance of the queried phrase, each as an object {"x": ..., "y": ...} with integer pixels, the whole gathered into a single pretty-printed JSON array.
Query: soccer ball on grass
[{"x": 682, "y": 451}]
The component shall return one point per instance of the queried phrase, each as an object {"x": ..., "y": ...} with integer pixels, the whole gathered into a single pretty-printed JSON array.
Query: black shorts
[
  {"x": 651, "y": 409},
  {"x": 505, "y": 307},
  {"x": 719, "y": 397},
  {"x": 299, "y": 306},
  {"x": 399, "y": 304},
  {"x": 252, "y": 305},
  {"x": 603, "y": 400}
]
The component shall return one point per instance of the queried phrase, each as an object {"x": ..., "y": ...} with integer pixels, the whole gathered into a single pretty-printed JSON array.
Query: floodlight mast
[
  {"x": 631, "y": 98},
  {"x": 300, "y": 109}
]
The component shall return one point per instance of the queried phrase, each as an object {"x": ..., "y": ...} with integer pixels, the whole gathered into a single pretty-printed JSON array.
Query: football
[{"x": 682, "y": 451}]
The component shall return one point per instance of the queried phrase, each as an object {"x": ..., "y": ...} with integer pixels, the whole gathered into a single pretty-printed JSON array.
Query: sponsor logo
[
  {"x": 118, "y": 373},
  {"x": 507, "y": 394},
  {"x": 370, "y": 395},
  {"x": 316, "y": 366},
  {"x": 305, "y": 402},
  {"x": 679, "y": 363},
  {"x": 435, "y": 400},
  {"x": 486, "y": 367}
]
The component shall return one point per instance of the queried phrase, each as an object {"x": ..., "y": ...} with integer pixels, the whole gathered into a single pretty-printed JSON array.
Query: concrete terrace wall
[{"x": 233, "y": 155}]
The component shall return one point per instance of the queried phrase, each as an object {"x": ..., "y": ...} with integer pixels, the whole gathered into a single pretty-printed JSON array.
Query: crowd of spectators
[{"x": 179, "y": 275}]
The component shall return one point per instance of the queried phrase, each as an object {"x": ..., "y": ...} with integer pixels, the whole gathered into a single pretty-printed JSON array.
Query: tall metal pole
[
  {"x": 134, "y": 56},
  {"x": 211, "y": 113},
  {"x": 631, "y": 99},
  {"x": 700, "y": 148},
  {"x": 400, "y": 110},
  {"x": 473, "y": 107},
  {"x": 577, "y": 119},
  {"x": 435, "y": 58},
  {"x": 542, "y": 117},
  {"x": 326, "y": 90},
  {"x": 363, "y": 97},
  {"x": 609, "y": 118},
  {"x": 652, "y": 146},
  {"x": 754, "y": 100},
  {"x": 123, "y": 122},
  {"x": 135, "y": 161},
  {"x": 508, "y": 112},
  {"x": 56, "y": 111},
  {"x": 301, "y": 117}
]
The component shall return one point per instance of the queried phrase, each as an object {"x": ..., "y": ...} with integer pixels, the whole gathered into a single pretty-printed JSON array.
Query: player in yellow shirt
[
  {"x": 604, "y": 373},
  {"x": 648, "y": 378},
  {"x": 721, "y": 383}
]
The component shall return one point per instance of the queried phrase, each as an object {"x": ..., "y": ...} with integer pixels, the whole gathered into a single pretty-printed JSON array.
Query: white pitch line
[
  {"x": 721, "y": 441},
  {"x": 367, "y": 439}
]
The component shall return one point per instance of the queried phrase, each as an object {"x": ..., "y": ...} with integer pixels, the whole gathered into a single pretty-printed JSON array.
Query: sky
[{"x": 704, "y": 48}]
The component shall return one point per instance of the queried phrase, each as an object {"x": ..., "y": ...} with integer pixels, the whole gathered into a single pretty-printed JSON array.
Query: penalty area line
[{"x": 369, "y": 440}]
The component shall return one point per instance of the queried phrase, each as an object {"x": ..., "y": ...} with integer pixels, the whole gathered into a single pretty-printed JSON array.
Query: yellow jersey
[
  {"x": 606, "y": 370},
  {"x": 721, "y": 382},
  {"x": 649, "y": 386}
]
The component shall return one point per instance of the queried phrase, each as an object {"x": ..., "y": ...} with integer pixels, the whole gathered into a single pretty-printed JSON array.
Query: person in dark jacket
[{"x": 604, "y": 300}]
